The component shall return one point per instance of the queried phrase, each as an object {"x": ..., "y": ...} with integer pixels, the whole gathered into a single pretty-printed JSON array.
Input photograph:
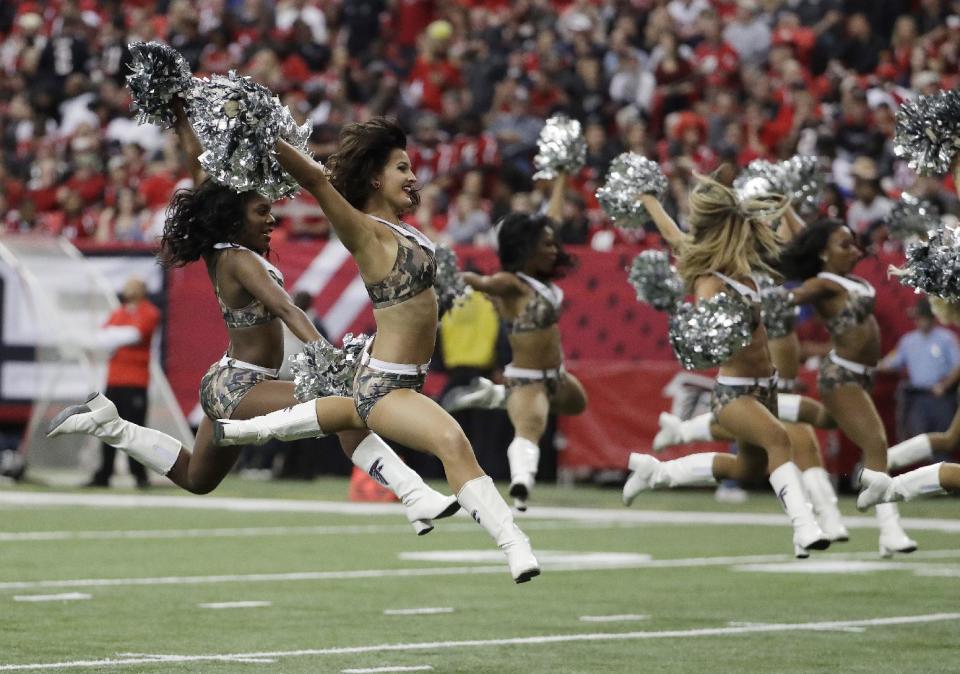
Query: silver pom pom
[
  {"x": 631, "y": 175},
  {"x": 158, "y": 74},
  {"x": 322, "y": 369},
  {"x": 928, "y": 132},
  {"x": 911, "y": 218},
  {"x": 238, "y": 123},
  {"x": 448, "y": 283},
  {"x": 798, "y": 178},
  {"x": 656, "y": 280},
  {"x": 933, "y": 266},
  {"x": 561, "y": 147},
  {"x": 779, "y": 315},
  {"x": 708, "y": 333}
]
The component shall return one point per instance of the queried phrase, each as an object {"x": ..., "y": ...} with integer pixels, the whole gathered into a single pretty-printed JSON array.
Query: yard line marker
[
  {"x": 235, "y": 604},
  {"x": 609, "y": 515},
  {"x": 613, "y": 618},
  {"x": 854, "y": 630},
  {"x": 508, "y": 641},
  {"x": 240, "y": 532},
  {"x": 417, "y": 611},
  {"x": 66, "y": 596},
  {"x": 373, "y": 670},
  {"x": 364, "y": 574}
]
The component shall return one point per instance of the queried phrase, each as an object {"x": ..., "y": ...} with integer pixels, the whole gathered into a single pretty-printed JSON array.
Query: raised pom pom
[
  {"x": 779, "y": 314},
  {"x": 656, "y": 280},
  {"x": 560, "y": 148},
  {"x": 158, "y": 74},
  {"x": 238, "y": 123},
  {"x": 631, "y": 175},
  {"x": 708, "y": 333},
  {"x": 928, "y": 132}
]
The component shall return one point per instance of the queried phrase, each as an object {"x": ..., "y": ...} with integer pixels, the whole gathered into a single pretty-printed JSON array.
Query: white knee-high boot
[
  {"x": 877, "y": 489},
  {"x": 892, "y": 536},
  {"x": 651, "y": 473},
  {"x": 807, "y": 534},
  {"x": 912, "y": 450},
  {"x": 480, "y": 498},
  {"x": 824, "y": 500},
  {"x": 524, "y": 457},
  {"x": 296, "y": 422},
  {"x": 677, "y": 431},
  {"x": 421, "y": 503},
  {"x": 98, "y": 417}
]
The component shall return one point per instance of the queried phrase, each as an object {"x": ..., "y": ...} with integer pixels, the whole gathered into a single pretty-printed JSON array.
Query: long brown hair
[
  {"x": 728, "y": 235},
  {"x": 362, "y": 152}
]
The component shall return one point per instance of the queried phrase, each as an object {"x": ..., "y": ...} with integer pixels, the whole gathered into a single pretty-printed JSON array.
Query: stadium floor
[{"x": 288, "y": 577}]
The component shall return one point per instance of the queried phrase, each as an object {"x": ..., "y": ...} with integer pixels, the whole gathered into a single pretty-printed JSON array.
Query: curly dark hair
[
  {"x": 518, "y": 236},
  {"x": 199, "y": 218},
  {"x": 801, "y": 259},
  {"x": 362, "y": 151}
]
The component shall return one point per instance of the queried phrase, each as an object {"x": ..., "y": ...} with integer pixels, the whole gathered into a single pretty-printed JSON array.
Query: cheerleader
[
  {"x": 822, "y": 256},
  {"x": 727, "y": 243}
]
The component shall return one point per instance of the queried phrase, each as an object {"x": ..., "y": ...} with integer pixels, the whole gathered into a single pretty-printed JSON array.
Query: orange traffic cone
[{"x": 365, "y": 488}]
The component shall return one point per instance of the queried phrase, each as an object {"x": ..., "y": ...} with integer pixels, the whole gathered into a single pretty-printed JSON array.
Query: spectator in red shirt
[
  {"x": 433, "y": 72},
  {"x": 717, "y": 62},
  {"x": 127, "y": 335}
]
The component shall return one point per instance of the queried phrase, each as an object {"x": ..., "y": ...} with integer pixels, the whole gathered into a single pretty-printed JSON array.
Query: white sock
[
  {"x": 378, "y": 460},
  {"x": 788, "y": 407},
  {"x": 910, "y": 451},
  {"x": 697, "y": 428},
  {"x": 920, "y": 482},
  {"x": 524, "y": 457},
  {"x": 291, "y": 423},
  {"x": 688, "y": 471}
]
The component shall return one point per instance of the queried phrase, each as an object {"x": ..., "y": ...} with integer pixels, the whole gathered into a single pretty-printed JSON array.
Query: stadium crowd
[{"x": 686, "y": 82}]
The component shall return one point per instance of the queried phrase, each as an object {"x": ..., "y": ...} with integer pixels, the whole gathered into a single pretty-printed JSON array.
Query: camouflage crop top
[
  {"x": 413, "y": 271},
  {"x": 861, "y": 298},
  {"x": 254, "y": 313},
  {"x": 749, "y": 294},
  {"x": 541, "y": 311}
]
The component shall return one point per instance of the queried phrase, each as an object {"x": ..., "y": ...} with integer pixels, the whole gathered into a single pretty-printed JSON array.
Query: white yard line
[
  {"x": 854, "y": 630},
  {"x": 624, "y": 617},
  {"x": 66, "y": 596},
  {"x": 608, "y": 515},
  {"x": 417, "y": 611},
  {"x": 587, "y": 563},
  {"x": 242, "y": 532},
  {"x": 235, "y": 604},
  {"x": 374, "y": 670},
  {"x": 495, "y": 643}
]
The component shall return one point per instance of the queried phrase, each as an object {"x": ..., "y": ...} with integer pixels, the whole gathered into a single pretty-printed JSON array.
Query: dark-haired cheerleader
[
  {"x": 529, "y": 303},
  {"x": 364, "y": 193},
  {"x": 230, "y": 232},
  {"x": 822, "y": 257}
]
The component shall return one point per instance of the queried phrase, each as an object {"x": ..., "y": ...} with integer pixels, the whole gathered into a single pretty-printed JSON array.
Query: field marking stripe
[
  {"x": 235, "y": 604},
  {"x": 239, "y": 532},
  {"x": 233, "y": 504},
  {"x": 510, "y": 641},
  {"x": 417, "y": 611},
  {"x": 364, "y": 574},
  {"x": 613, "y": 618},
  {"x": 374, "y": 670},
  {"x": 65, "y": 596}
]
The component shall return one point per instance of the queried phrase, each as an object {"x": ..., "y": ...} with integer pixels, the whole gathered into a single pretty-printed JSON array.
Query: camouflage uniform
[
  {"x": 833, "y": 375},
  {"x": 724, "y": 394},
  {"x": 372, "y": 385},
  {"x": 224, "y": 385}
]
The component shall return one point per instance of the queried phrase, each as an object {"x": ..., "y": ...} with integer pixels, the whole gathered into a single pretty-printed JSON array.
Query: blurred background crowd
[{"x": 689, "y": 83}]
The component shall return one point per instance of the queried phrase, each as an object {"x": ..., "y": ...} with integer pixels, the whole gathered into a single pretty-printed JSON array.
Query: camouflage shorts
[
  {"x": 223, "y": 387},
  {"x": 551, "y": 380},
  {"x": 833, "y": 375},
  {"x": 370, "y": 386},
  {"x": 724, "y": 394}
]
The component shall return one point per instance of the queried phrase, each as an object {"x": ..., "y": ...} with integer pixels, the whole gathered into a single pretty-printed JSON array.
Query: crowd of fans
[{"x": 689, "y": 83}]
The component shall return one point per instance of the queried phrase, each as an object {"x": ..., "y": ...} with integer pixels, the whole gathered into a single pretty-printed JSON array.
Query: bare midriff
[
  {"x": 753, "y": 360},
  {"x": 537, "y": 349},
  {"x": 407, "y": 332},
  {"x": 258, "y": 344}
]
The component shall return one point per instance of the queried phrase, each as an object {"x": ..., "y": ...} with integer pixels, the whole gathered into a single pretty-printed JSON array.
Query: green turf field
[{"x": 319, "y": 590}]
